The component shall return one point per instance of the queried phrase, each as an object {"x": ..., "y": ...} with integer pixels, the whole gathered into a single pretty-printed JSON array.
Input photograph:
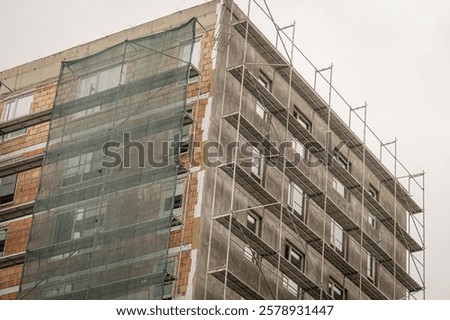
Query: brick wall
[
  {"x": 10, "y": 277},
  {"x": 202, "y": 86},
  {"x": 17, "y": 236}
]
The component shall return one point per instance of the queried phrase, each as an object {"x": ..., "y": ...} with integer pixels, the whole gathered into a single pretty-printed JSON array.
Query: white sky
[{"x": 392, "y": 54}]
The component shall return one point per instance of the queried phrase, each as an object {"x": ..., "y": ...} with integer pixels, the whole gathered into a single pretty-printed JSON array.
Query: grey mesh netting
[{"x": 102, "y": 232}]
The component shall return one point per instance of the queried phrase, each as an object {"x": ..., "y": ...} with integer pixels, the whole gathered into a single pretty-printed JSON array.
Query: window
[
  {"x": 296, "y": 199},
  {"x": 82, "y": 168},
  {"x": 63, "y": 230},
  {"x": 374, "y": 192},
  {"x": 339, "y": 187},
  {"x": 294, "y": 256},
  {"x": 254, "y": 224},
  {"x": 77, "y": 223},
  {"x": 372, "y": 266},
  {"x": 184, "y": 54},
  {"x": 373, "y": 221},
  {"x": 2, "y": 240},
  {"x": 336, "y": 291},
  {"x": 337, "y": 238},
  {"x": 297, "y": 259},
  {"x": 178, "y": 200},
  {"x": 257, "y": 163},
  {"x": 299, "y": 148},
  {"x": 16, "y": 108},
  {"x": 291, "y": 285},
  {"x": 264, "y": 80},
  {"x": 342, "y": 161},
  {"x": 261, "y": 111},
  {"x": 101, "y": 80},
  {"x": 298, "y": 115},
  {"x": 7, "y": 188},
  {"x": 185, "y": 138}
]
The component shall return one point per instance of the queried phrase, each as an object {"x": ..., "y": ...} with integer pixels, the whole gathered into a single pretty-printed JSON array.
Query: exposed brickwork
[
  {"x": 44, "y": 97},
  {"x": 10, "y": 277},
  {"x": 17, "y": 237}
]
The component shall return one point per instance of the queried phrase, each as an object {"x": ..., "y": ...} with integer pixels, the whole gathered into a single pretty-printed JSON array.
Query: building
[{"x": 187, "y": 159}]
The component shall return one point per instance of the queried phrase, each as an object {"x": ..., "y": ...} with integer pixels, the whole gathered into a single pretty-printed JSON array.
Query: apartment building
[{"x": 186, "y": 158}]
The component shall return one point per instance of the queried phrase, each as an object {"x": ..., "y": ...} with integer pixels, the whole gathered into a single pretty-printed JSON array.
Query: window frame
[
  {"x": 373, "y": 192},
  {"x": 373, "y": 221},
  {"x": 196, "y": 54},
  {"x": 332, "y": 286},
  {"x": 249, "y": 253},
  {"x": 295, "y": 146},
  {"x": 177, "y": 209},
  {"x": 5, "y": 116},
  {"x": 4, "y": 232},
  {"x": 258, "y": 169},
  {"x": 87, "y": 168},
  {"x": 289, "y": 250},
  {"x": 290, "y": 285},
  {"x": 339, "y": 187},
  {"x": 335, "y": 243},
  {"x": 372, "y": 268},
  {"x": 261, "y": 111},
  {"x": 301, "y": 118},
  {"x": 265, "y": 80},
  {"x": 11, "y": 196},
  {"x": 293, "y": 187},
  {"x": 122, "y": 67},
  {"x": 342, "y": 161}
]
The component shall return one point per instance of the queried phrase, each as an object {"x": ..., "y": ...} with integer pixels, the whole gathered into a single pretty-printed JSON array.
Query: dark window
[
  {"x": 63, "y": 227},
  {"x": 2, "y": 240},
  {"x": 7, "y": 188},
  {"x": 374, "y": 193}
]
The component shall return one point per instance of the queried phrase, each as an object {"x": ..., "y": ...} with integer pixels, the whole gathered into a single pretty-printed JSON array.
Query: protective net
[{"x": 102, "y": 218}]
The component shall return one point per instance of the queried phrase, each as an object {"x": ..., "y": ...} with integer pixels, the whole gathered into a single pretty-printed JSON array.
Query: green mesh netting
[{"x": 102, "y": 231}]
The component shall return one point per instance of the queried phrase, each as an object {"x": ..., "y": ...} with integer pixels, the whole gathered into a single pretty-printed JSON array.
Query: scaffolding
[{"x": 275, "y": 275}]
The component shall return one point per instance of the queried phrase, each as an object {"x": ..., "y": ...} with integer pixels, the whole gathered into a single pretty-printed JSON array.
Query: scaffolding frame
[{"x": 415, "y": 214}]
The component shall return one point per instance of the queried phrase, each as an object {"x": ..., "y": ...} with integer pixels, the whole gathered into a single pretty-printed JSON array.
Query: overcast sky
[{"x": 393, "y": 54}]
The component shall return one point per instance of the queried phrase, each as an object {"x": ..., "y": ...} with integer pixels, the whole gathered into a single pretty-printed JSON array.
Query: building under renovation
[{"x": 187, "y": 158}]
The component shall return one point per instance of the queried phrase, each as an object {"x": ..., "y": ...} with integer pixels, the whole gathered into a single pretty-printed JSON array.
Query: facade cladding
[{"x": 186, "y": 159}]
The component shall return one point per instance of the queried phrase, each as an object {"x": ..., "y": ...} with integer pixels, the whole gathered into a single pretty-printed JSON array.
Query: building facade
[{"x": 186, "y": 158}]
